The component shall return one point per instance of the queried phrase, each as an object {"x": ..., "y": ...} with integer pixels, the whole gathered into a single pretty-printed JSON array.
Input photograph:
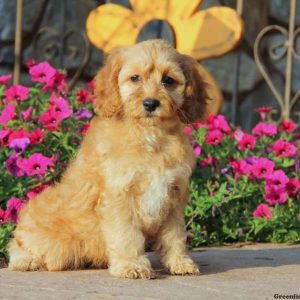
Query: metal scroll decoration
[{"x": 286, "y": 101}]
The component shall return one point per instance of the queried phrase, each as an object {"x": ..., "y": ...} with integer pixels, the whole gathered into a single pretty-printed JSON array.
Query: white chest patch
[{"x": 156, "y": 198}]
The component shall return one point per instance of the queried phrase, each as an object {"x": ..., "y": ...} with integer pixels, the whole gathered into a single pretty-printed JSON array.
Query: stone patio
[{"x": 251, "y": 272}]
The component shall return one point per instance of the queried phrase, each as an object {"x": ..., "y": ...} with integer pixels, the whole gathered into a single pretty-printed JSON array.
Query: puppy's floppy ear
[
  {"x": 195, "y": 95},
  {"x": 108, "y": 102}
]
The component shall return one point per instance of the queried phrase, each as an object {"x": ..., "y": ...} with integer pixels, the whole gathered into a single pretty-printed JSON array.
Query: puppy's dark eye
[
  {"x": 167, "y": 80},
  {"x": 135, "y": 78}
]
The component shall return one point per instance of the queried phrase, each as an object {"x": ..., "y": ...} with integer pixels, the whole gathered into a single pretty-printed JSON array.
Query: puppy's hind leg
[{"x": 21, "y": 259}]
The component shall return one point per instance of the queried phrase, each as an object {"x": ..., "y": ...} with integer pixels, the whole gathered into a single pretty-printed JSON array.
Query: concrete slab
[{"x": 252, "y": 272}]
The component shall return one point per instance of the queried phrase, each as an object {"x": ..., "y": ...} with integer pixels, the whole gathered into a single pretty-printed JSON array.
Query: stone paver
[{"x": 252, "y": 272}]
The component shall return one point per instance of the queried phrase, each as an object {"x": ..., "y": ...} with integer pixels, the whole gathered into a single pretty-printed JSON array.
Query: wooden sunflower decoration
[{"x": 200, "y": 34}]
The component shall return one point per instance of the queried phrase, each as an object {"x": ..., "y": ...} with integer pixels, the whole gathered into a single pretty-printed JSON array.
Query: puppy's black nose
[{"x": 151, "y": 104}]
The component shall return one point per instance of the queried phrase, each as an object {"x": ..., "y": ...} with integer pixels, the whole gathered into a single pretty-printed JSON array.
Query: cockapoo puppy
[{"x": 129, "y": 180}]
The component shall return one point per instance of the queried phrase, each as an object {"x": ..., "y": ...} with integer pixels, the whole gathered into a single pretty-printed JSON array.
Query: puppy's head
[{"x": 150, "y": 82}]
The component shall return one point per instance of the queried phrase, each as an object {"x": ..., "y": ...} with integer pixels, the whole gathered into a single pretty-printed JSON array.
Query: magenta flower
[
  {"x": 30, "y": 63},
  {"x": 264, "y": 129},
  {"x": 208, "y": 161},
  {"x": 277, "y": 178},
  {"x": 3, "y": 217},
  {"x": 19, "y": 145},
  {"x": 263, "y": 168},
  {"x": 4, "y": 79},
  {"x": 198, "y": 125},
  {"x": 36, "y": 164},
  {"x": 287, "y": 126},
  {"x": 35, "y": 191},
  {"x": 83, "y": 96},
  {"x": 264, "y": 112},
  {"x": 83, "y": 114},
  {"x": 16, "y": 93},
  {"x": 7, "y": 114},
  {"x": 275, "y": 195},
  {"x": 197, "y": 150},
  {"x": 293, "y": 186},
  {"x": 262, "y": 211},
  {"x": 85, "y": 128},
  {"x": 91, "y": 84},
  {"x": 247, "y": 142},
  {"x": 4, "y": 136},
  {"x": 50, "y": 120},
  {"x": 217, "y": 122},
  {"x": 60, "y": 107},
  {"x": 238, "y": 134},
  {"x": 214, "y": 137},
  {"x": 188, "y": 131},
  {"x": 18, "y": 134},
  {"x": 27, "y": 113},
  {"x": 283, "y": 148},
  {"x": 240, "y": 167},
  {"x": 41, "y": 72},
  {"x": 14, "y": 205},
  {"x": 37, "y": 136},
  {"x": 56, "y": 83},
  {"x": 13, "y": 165}
]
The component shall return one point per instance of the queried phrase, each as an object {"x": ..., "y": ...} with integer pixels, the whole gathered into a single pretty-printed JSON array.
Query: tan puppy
[{"x": 129, "y": 181}]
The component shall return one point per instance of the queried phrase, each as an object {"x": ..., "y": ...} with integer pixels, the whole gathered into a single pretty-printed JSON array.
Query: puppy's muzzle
[{"x": 150, "y": 104}]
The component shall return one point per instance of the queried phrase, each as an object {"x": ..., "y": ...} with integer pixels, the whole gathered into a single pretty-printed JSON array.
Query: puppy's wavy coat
[{"x": 129, "y": 180}]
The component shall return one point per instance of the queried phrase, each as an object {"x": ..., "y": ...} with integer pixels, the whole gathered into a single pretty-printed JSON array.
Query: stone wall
[{"x": 253, "y": 91}]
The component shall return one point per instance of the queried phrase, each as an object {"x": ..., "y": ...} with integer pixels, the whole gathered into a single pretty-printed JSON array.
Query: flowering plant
[
  {"x": 40, "y": 129},
  {"x": 246, "y": 186}
]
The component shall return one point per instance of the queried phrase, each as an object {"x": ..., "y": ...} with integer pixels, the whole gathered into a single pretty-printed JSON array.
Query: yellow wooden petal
[
  {"x": 164, "y": 9},
  {"x": 215, "y": 95},
  {"x": 208, "y": 33},
  {"x": 111, "y": 25}
]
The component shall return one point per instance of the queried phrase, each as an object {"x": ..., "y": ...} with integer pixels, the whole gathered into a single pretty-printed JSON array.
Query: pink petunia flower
[
  {"x": 7, "y": 114},
  {"x": 293, "y": 186},
  {"x": 264, "y": 112},
  {"x": 4, "y": 136},
  {"x": 83, "y": 96},
  {"x": 238, "y": 134},
  {"x": 30, "y": 63},
  {"x": 262, "y": 211},
  {"x": 85, "y": 128},
  {"x": 37, "y": 136},
  {"x": 42, "y": 72},
  {"x": 18, "y": 134},
  {"x": 247, "y": 142},
  {"x": 50, "y": 120},
  {"x": 14, "y": 205},
  {"x": 208, "y": 161},
  {"x": 3, "y": 216},
  {"x": 19, "y": 145},
  {"x": 198, "y": 125},
  {"x": 91, "y": 84},
  {"x": 13, "y": 165},
  {"x": 60, "y": 107},
  {"x": 275, "y": 195},
  {"x": 36, "y": 164},
  {"x": 264, "y": 129},
  {"x": 287, "y": 126},
  {"x": 197, "y": 150},
  {"x": 283, "y": 148},
  {"x": 27, "y": 113},
  {"x": 277, "y": 178},
  {"x": 188, "y": 131},
  {"x": 83, "y": 114},
  {"x": 4, "y": 79},
  {"x": 56, "y": 83},
  {"x": 35, "y": 191},
  {"x": 214, "y": 137},
  {"x": 240, "y": 167},
  {"x": 16, "y": 92},
  {"x": 263, "y": 168},
  {"x": 217, "y": 122}
]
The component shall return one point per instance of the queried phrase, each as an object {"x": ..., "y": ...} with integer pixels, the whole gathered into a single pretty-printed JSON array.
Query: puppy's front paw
[
  {"x": 133, "y": 271},
  {"x": 184, "y": 266}
]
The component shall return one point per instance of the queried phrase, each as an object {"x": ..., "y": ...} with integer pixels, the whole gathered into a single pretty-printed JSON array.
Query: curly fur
[{"x": 129, "y": 180}]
